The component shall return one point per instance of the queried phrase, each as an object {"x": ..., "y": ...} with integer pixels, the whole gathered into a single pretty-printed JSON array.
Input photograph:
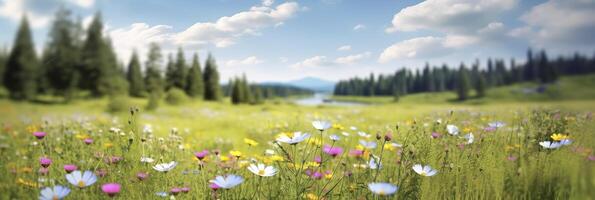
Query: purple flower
[
  {"x": 88, "y": 141},
  {"x": 69, "y": 168},
  {"x": 101, "y": 172},
  {"x": 511, "y": 158},
  {"x": 489, "y": 129},
  {"x": 44, "y": 171},
  {"x": 591, "y": 158},
  {"x": 317, "y": 159},
  {"x": 201, "y": 155},
  {"x": 111, "y": 189},
  {"x": 316, "y": 175},
  {"x": 436, "y": 135},
  {"x": 113, "y": 159},
  {"x": 175, "y": 191},
  {"x": 45, "y": 162},
  {"x": 39, "y": 135},
  {"x": 389, "y": 136},
  {"x": 141, "y": 176},
  {"x": 332, "y": 151}
]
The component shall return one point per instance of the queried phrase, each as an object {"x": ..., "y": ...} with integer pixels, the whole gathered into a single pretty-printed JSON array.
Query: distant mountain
[{"x": 310, "y": 83}]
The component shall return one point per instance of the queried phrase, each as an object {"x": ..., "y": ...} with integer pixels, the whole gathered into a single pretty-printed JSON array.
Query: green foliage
[
  {"x": 21, "y": 74},
  {"x": 135, "y": 77},
  {"x": 118, "y": 103},
  {"x": 153, "y": 102},
  {"x": 176, "y": 96},
  {"x": 3, "y": 58},
  {"x": 480, "y": 86},
  {"x": 98, "y": 59},
  {"x": 153, "y": 79},
  {"x": 176, "y": 74},
  {"x": 195, "y": 85},
  {"x": 211, "y": 78}
]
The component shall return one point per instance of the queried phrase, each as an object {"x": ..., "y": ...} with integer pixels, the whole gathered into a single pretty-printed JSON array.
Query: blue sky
[{"x": 330, "y": 39}]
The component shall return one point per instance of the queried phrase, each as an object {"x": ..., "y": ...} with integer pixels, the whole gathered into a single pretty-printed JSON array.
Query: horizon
[{"x": 282, "y": 41}]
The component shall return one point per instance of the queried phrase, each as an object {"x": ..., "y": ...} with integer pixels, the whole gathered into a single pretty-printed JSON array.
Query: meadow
[{"x": 494, "y": 149}]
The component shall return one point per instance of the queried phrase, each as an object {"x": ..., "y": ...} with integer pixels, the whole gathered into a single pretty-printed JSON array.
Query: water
[{"x": 323, "y": 99}]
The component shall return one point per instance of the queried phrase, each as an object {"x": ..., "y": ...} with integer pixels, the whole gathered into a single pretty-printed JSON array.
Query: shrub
[
  {"x": 176, "y": 96},
  {"x": 118, "y": 103}
]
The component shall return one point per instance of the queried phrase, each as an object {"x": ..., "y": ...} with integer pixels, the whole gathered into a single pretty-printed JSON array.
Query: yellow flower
[
  {"x": 359, "y": 147},
  {"x": 389, "y": 147},
  {"x": 558, "y": 136},
  {"x": 243, "y": 163},
  {"x": 26, "y": 182},
  {"x": 276, "y": 158},
  {"x": 311, "y": 196},
  {"x": 328, "y": 176},
  {"x": 250, "y": 142},
  {"x": 224, "y": 158},
  {"x": 467, "y": 130},
  {"x": 81, "y": 136},
  {"x": 32, "y": 128},
  {"x": 338, "y": 126},
  {"x": 315, "y": 141},
  {"x": 311, "y": 164},
  {"x": 108, "y": 145},
  {"x": 237, "y": 154}
]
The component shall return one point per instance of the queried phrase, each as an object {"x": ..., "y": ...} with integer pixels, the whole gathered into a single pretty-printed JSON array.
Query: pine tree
[
  {"x": 211, "y": 78},
  {"x": 22, "y": 66},
  {"x": 236, "y": 91},
  {"x": 463, "y": 83},
  {"x": 258, "y": 96},
  {"x": 480, "y": 86},
  {"x": 98, "y": 60},
  {"x": 170, "y": 69},
  {"x": 153, "y": 78},
  {"x": 246, "y": 93},
  {"x": 195, "y": 84},
  {"x": 61, "y": 56},
  {"x": 135, "y": 77},
  {"x": 180, "y": 70},
  {"x": 3, "y": 58}
]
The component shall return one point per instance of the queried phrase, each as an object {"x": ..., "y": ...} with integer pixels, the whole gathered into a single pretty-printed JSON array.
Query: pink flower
[
  {"x": 201, "y": 155},
  {"x": 316, "y": 175},
  {"x": 111, "y": 189},
  {"x": 101, "y": 172},
  {"x": 44, "y": 171},
  {"x": 88, "y": 141},
  {"x": 332, "y": 151},
  {"x": 142, "y": 176},
  {"x": 317, "y": 159},
  {"x": 356, "y": 153},
  {"x": 69, "y": 168},
  {"x": 389, "y": 136},
  {"x": 591, "y": 158},
  {"x": 45, "y": 162},
  {"x": 214, "y": 186},
  {"x": 436, "y": 135},
  {"x": 175, "y": 191},
  {"x": 39, "y": 135},
  {"x": 185, "y": 189},
  {"x": 511, "y": 158}
]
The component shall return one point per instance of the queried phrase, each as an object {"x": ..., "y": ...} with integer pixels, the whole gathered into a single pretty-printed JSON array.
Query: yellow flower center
[
  {"x": 261, "y": 172},
  {"x": 55, "y": 197},
  {"x": 81, "y": 183},
  {"x": 424, "y": 174},
  {"x": 381, "y": 192}
]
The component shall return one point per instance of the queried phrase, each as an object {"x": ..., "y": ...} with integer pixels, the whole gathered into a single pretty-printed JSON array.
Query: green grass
[{"x": 478, "y": 171}]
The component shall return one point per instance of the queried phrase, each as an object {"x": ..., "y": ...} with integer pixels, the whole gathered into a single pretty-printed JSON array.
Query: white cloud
[
  {"x": 421, "y": 47},
  {"x": 353, "y": 59},
  {"x": 138, "y": 36},
  {"x": 359, "y": 27},
  {"x": 559, "y": 24},
  {"x": 268, "y": 2},
  {"x": 315, "y": 61},
  {"x": 451, "y": 16},
  {"x": 344, "y": 48},
  {"x": 252, "y": 60},
  {"x": 226, "y": 30},
  {"x": 39, "y": 13},
  {"x": 283, "y": 59}
]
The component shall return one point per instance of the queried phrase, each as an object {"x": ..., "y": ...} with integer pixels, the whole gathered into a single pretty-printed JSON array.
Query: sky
[{"x": 274, "y": 40}]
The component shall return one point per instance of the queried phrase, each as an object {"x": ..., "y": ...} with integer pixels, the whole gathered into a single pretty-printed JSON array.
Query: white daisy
[
  {"x": 297, "y": 137},
  {"x": 363, "y": 134},
  {"x": 165, "y": 167},
  {"x": 346, "y": 134},
  {"x": 565, "y": 142},
  {"x": 228, "y": 181},
  {"x": 550, "y": 145},
  {"x": 374, "y": 162},
  {"x": 424, "y": 170},
  {"x": 81, "y": 180},
  {"x": 470, "y": 138},
  {"x": 334, "y": 137},
  {"x": 321, "y": 125},
  {"x": 262, "y": 170},
  {"x": 146, "y": 159},
  {"x": 496, "y": 124},
  {"x": 382, "y": 188},
  {"x": 55, "y": 193},
  {"x": 452, "y": 129}
]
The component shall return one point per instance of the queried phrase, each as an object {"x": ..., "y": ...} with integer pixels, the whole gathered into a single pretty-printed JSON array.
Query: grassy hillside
[{"x": 567, "y": 88}]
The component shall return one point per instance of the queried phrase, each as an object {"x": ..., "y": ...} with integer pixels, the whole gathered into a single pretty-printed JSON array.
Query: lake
[{"x": 324, "y": 99}]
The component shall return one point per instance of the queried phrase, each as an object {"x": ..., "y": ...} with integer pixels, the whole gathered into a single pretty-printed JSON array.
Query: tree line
[
  {"x": 537, "y": 68},
  {"x": 77, "y": 60}
]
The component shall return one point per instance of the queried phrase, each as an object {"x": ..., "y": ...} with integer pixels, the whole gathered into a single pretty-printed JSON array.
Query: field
[{"x": 495, "y": 154}]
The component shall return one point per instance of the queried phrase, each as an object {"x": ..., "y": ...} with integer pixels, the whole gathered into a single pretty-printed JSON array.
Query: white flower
[
  {"x": 439, "y": 121},
  {"x": 269, "y": 152},
  {"x": 147, "y": 129},
  {"x": 353, "y": 128},
  {"x": 262, "y": 170},
  {"x": 334, "y": 137},
  {"x": 321, "y": 125},
  {"x": 165, "y": 167},
  {"x": 424, "y": 170},
  {"x": 363, "y": 134},
  {"x": 81, "y": 180},
  {"x": 297, "y": 137},
  {"x": 346, "y": 134},
  {"x": 550, "y": 145},
  {"x": 57, "y": 192},
  {"x": 146, "y": 159},
  {"x": 161, "y": 194},
  {"x": 373, "y": 164},
  {"x": 228, "y": 181},
  {"x": 368, "y": 145},
  {"x": 452, "y": 129},
  {"x": 496, "y": 124},
  {"x": 469, "y": 138},
  {"x": 382, "y": 188},
  {"x": 394, "y": 144},
  {"x": 565, "y": 142}
]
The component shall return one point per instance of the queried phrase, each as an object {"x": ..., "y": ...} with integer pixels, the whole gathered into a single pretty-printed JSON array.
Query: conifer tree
[
  {"x": 3, "y": 58},
  {"x": 195, "y": 84},
  {"x": 480, "y": 86},
  {"x": 98, "y": 60},
  {"x": 170, "y": 69},
  {"x": 463, "y": 83},
  {"x": 153, "y": 78},
  {"x": 180, "y": 70},
  {"x": 211, "y": 78},
  {"x": 20, "y": 77},
  {"x": 135, "y": 77}
]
